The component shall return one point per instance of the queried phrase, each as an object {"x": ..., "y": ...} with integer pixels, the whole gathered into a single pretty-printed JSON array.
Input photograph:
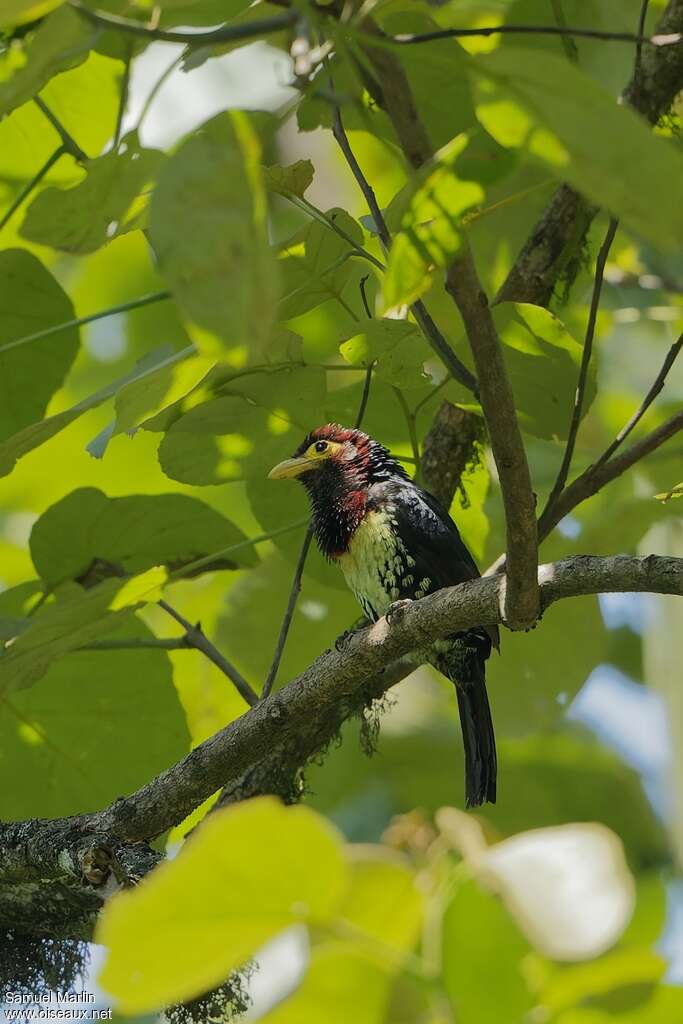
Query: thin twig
[
  {"x": 645, "y": 404},
  {"x": 124, "y": 307},
  {"x": 600, "y": 264},
  {"x": 363, "y": 294},
  {"x": 123, "y": 96},
  {"x": 30, "y": 185},
  {"x": 223, "y": 34},
  {"x": 68, "y": 142},
  {"x": 456, "y": 368},
  {"x": 154, "y": 91},
  {"x": 412, "y": 432},
  {"x": 637, "y": 64},
  {"x": 197, "y": 639},
  {"x": 568, "y": 44},
  {"x": 135, "y": 643},
  {"x": 294, "y": 592},
  {"x": 408, "y": 39}
]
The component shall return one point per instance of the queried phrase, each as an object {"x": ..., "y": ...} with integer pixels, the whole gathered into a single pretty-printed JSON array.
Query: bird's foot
[
  {"x": 396, "y": 609},
  {"x": 343, "y": 638}
]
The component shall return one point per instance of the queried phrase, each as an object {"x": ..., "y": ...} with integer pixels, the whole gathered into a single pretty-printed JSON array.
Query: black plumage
[{"x": 393, "y": 541}]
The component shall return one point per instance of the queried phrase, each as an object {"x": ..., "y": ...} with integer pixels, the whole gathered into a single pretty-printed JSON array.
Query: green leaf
[
  {"x": 102, "y": 206},
  {"x": 31, "y": 300},
  {"x": 397, "y": 346},
  {"x": 542, "y": 360},
  {"x": 19, "y": 12},
  {"x": 257, "y": 421},
  {"x": 208, "y": 228},
  {"x": 314, "y": 265},
  {"x": 675, "y": 492},
  {"x": 36, "y": 434},
  {"x": 141, "y": 400},
  {"x": 383, "y": 899},
  {"x": 61, "y": 42},
  {"x": 237, "y": 883},
  {"x": 72, "y": 621},
  {"x": 478, "y": 931},
  {"x": 293, "y": 179},
  {"x": 342, "y": 981},
  {"x": 430, "y": 226},
  {"x": 637, "y": 1005},
  {"x": 583, "y": 983},
  {"x": 88, "y": 533},
  {"x": 93, "y": 708},
  {"x": 605, "y": 150}
]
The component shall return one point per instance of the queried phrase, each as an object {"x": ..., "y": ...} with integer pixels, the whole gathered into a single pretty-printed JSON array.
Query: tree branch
[
  {"x": 69, "y": 144},
  {"x": 560, "y": 232},
  {"x": 30, "y": 185},
  {"x": 659, "y": 39},
  {"x": 223, "y": 34},
  {"x": 456, "y": 368},
  {"x": 195, "y": 638},
  {"x": 520, "y": 596},
  {"x": 585, "y": 363}
]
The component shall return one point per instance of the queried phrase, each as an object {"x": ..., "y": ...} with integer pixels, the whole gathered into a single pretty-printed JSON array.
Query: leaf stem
[
  {"x": 194, "y": 637},
  {"x": 30, "y": 185},
  {"x": 124, "y": 307},
  {"x": 68, "y": 142}
]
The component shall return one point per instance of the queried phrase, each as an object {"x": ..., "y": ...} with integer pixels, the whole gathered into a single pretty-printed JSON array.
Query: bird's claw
[{"x": 396, "y": 609}]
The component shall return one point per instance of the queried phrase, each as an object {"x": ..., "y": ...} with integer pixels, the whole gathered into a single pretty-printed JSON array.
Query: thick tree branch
[
  {"x": 521, "y": 602},
  {"x": 79, "y": 855},
  {"x": 560, "y": 232}
]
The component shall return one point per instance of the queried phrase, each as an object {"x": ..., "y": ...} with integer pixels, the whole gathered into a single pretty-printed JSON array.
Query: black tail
[
  {"x": 465, "y": 666},
  {"x": 480, "y": 743}
]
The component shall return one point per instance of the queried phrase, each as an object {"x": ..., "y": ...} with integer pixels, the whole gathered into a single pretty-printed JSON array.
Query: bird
[{"x": 394, "y": 542}]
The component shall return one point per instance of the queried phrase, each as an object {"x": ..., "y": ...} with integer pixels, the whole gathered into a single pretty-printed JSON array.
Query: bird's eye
[{"x": 321, "y": 446}]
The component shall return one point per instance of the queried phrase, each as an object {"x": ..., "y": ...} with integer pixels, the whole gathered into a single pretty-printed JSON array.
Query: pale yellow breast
[{"x": 376, "y": 564}]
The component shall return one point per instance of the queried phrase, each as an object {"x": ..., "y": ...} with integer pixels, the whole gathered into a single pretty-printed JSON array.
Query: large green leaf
[
  {"x": 18, "y": 12},
  {"x": 479, "y": 935},
  {"x": 208, "y": 228},
  {"x": 32, "y": 436},
  {"x": 71, "y": 622},
  {"x": 60, "y": 42},
  {"x": 31, "y": 300},
  {"x": 543, "y": 361},
  {"x": 117, "y": 708},
  {"x": 430, "y": 216},
  {"x": 342, "y": 980},
  {"x": 103, "y": 205},
  {"x": 86, "y": 531},
  {"x": 239, "y": 881},
  {"x": 314, "y": 265},
  {"x": 575, "y": 126},
  {"x": 396, "y": 346}
]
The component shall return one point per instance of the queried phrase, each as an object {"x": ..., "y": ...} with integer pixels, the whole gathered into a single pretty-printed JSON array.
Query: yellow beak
[{"x": 291, "y": 468}]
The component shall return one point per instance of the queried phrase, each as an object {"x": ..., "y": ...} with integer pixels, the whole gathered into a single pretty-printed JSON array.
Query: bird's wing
[{"x": 429, "y": 534}]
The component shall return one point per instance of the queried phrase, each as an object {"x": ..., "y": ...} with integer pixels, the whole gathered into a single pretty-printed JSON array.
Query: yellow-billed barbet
[{"x": 394, "y": 542}]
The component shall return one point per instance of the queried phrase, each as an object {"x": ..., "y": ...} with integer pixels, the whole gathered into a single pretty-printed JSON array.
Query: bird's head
[{"x": 334, "y": 458}]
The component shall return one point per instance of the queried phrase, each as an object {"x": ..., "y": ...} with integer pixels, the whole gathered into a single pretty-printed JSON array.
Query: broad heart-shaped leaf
[
  {"x": 343, "y": 982},
  {"x": 92, "y": 708},
  {"x": 478, "y": 931},
  {"x": 208, "y": 227},
  {"x": 546, "y": 103},
  {"x": 256, "y": 421},
  {"x": 87, "y": 531},
  {"x": 397, "y": 346},
  {"x": 240, "y": 880},
  {"x": 31, "y": 300},
  {"x": 383, "y": 898},
  {"x": 430, "y": 226},
  {"x": 61, "y": 41},
  {"x": 19, "y": 12},
  {"x": 293, "y": 179},
  {"x": 75, "y": 619},
  {"x": 102, "y": 206},
  {"x": 542, "y": 360},
  {"x": 38, "y": 433},
  {"x": 314, "y": 265}
]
